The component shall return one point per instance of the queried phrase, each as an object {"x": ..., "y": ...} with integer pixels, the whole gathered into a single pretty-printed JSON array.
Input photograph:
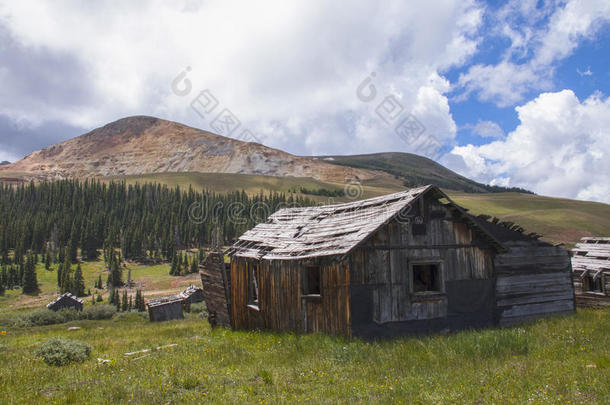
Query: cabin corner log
[{"x": 409, "y": 262}]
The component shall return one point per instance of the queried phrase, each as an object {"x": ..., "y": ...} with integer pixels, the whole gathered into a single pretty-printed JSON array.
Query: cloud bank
[{"x": 560, "y": 148}]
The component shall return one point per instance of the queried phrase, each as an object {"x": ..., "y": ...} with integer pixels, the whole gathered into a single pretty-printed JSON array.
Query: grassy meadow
[
  {"x": 155, "y": 281},
  {"x": 558, "y": 360}
]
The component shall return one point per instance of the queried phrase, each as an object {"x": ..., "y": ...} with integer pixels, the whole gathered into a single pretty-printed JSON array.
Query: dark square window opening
[
  {"x": 311, "y": 281},
  {"x": 426, "y": 278},
  {"x": 594, "y": 284},
  {"x": 253, "y": 286}
]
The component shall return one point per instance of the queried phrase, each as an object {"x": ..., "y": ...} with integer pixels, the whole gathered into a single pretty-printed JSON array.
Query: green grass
[
  {"x": 558, "y": 360},
  {"x": 558, "y": 219},
  {"x": 415, "y": 169}
]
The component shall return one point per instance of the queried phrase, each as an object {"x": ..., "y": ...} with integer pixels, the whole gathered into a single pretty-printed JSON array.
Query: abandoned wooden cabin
[
  {"x": 66, "y": 300},
  {"x": 166, "y": 308},
  {"x": 591, "y": 272},
  {"x": 407, "y": 262}
]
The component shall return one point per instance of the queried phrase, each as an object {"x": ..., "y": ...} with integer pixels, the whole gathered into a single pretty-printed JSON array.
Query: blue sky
[
  {"x": 585, "y": 72},
  {"x": 513, "y": 93}
]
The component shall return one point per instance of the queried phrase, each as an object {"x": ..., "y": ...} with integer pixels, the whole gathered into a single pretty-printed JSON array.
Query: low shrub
[
  {"x": 99, "y": 312},
  {"x": 60, "y": 352},
  {"x": 44, "y": 316}
]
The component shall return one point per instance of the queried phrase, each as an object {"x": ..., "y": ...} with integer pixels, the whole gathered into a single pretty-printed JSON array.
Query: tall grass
[{"x": 558, "y": 360}]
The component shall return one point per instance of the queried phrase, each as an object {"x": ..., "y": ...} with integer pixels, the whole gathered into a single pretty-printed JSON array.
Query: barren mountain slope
[{"x": 139, "y": 145}]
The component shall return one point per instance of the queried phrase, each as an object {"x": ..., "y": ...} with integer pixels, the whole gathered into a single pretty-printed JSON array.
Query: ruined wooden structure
[
  {"x": 533, "y": 278},
  {"x": 591, "y": 272},
  {"x": 66, "y": 300},
  {"x": 192, "y": 294},
  {"x": 166, "y": 308},
  {"x": 215, "y": 280},
  {"x": 407, "y": 262}
]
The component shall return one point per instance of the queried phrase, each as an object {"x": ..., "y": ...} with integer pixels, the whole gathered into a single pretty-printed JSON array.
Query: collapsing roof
[
  {"x": 66, "y": 295},
  {"x": 157, "y": 302},
  {"x": 592, "y": 254},
  {"x": 300, "y": 233}
]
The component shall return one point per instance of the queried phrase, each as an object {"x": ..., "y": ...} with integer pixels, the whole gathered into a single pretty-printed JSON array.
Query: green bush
[
  {"x": 59, "y": 352},
  {"x": 44, "y": 316},
  {"x": 99, "y": 312}
]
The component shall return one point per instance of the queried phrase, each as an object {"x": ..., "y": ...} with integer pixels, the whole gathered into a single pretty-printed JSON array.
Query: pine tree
[
  {"x": 64, "y": 272},
  {"x": 140, "y": 303},
  {"x": 99, "y": 298},
  {"x": 47, "y": 261},
  {"x": 124, "y": 301},
  {"x": 30, "y": 281},
  {"x": 117, "y": 300},
  {"x": 98, "y": 284},
  {"x": 93, "y": 300},
  {"x": 115, "y": 276},
  {"x": 72, "y": 250},
  {"x": 78, "y": 284},
  {"x": 173, "y": 270},
  {"x": 194, "y": 266},
  {"x": 130, "y": 307}
]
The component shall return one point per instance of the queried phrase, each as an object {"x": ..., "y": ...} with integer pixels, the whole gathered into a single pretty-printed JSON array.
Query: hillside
[
  {"x": 557, "y": 219},
  {"x": 141, "y": 145},
  {"x": 413, "y": 170}
]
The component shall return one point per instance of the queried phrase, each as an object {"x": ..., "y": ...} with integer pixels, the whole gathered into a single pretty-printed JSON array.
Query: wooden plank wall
[
  {"x": 166, "y": 312},
  {"x": 214, "y": 291},
  {"x": 589, "y": 299},
  {"x": 533, "y": 279},
  {"x": 382, "y": 263},
  {"x": 281, "y": 305}
]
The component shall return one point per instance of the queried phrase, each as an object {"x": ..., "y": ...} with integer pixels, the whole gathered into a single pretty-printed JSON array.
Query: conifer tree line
[
  {"x": 125, "y": 303},
  {"x": 54, "y": 221},
  {"x": 143, "y": 221}
]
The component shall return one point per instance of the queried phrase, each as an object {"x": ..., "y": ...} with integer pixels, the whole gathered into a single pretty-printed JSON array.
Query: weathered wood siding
[
  {"x": 215, "y": 281},
  {"x": 382, "y": 298},
  {"x": 166, "y": 312},
  {"x": 281, "y": 305},
  {"x": 533, "y": 279}
]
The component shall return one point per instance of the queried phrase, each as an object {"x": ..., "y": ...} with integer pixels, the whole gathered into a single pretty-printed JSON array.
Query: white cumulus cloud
[
  {"x": 540, "y": 35},
  {"x": 288, "y": 70},
  {"x": 561, "y": 147}
]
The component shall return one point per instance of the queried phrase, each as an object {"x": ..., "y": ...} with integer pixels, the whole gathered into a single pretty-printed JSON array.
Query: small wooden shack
[
  {"x": 66, "y": 300},
  {"x": 591, "y": 272},
  {"x": 407, "y": 262},
  {"x": 166, "y": 308},
  {"x": 193, "y": 294}
]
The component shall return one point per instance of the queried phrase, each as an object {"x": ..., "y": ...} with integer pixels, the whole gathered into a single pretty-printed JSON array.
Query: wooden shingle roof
[
  {"x": 591, "y": 254},
  {"x": 65, "y": 295},
  {"x": 300, "y": 233}
]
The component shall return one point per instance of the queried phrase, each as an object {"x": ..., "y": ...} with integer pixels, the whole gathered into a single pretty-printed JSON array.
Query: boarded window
[
  {"x": 426, "y": 278},
  {"x": 311, "y": 280},
  {"x": 594, "y": 284},
  {"x": 253, "y": 286},
  {"x": 419, "y": 229}
]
